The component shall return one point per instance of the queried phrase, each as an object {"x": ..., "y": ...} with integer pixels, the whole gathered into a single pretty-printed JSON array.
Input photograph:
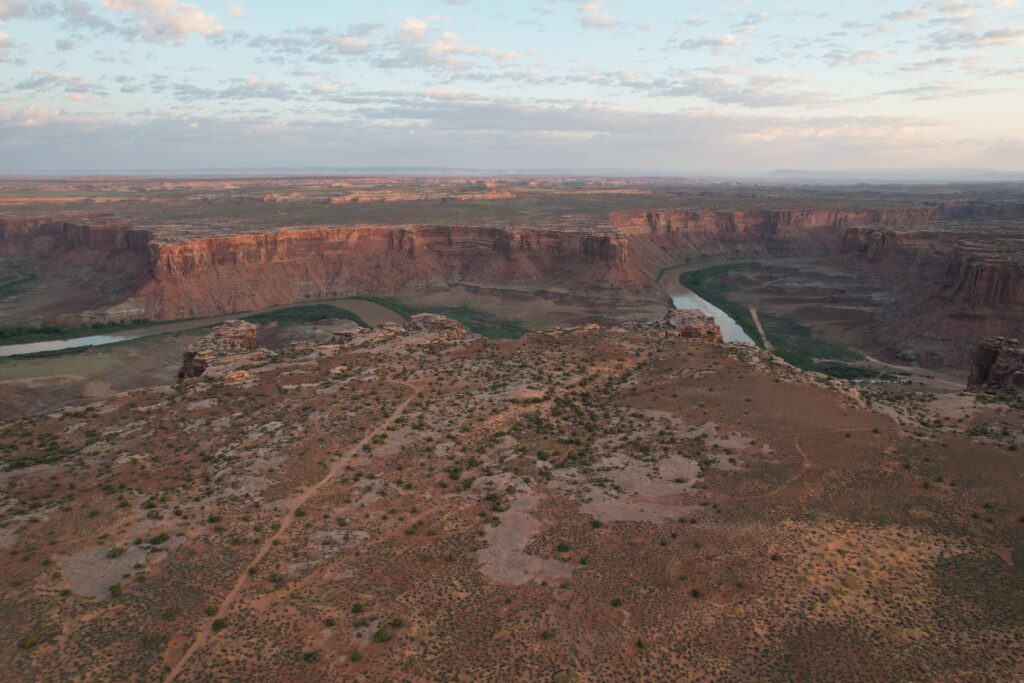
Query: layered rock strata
[{"x": 998, "y": 365}]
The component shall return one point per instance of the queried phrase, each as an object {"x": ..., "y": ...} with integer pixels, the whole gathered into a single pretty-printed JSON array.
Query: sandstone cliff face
[
  {"x": 215, "y": 275},
  {"x": 963, "y": 275},
  {"x": 998, "y": 365},
  {"x": 245, "y": 272},
  {"x": 661, "y": 238},
  {"x": 26, "y": 235}
]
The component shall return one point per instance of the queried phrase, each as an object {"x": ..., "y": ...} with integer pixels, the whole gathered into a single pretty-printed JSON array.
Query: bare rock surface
[
  {"x": 998, "y": 364},
  {"x": 691, "y": 324},
  {"x": 231, "y": 338}
]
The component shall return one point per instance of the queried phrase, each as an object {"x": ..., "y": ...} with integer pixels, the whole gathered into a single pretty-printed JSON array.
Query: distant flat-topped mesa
[{"x": 998, "y": 365}]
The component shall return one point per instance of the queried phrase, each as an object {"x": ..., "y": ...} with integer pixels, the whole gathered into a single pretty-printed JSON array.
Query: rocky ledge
[
  {"x": 998, "y": 365},
  {"x": 691, "y": 324},
  {"x": 231, "y": 338}
]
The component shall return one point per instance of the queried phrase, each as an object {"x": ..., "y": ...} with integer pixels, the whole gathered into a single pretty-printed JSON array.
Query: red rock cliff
[{"x": 244, "y": 272}]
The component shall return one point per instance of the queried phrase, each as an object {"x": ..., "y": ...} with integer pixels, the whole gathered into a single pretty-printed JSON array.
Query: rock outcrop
[
  {"x": 431, "y": 322},
  {"x": 998, "y": 365},
  {"x": 232, "y": 339},
  {"x": 691, "y": 324}
]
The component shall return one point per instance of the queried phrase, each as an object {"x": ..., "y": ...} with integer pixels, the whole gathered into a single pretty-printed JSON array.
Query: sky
[{"x": 674, "y": 87}]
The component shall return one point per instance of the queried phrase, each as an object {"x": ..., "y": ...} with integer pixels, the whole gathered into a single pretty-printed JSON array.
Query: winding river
[
  {"x": 372, "y": 312},
  {"x": 731, "y": 330},
  {"x": 681, "y": 298}
]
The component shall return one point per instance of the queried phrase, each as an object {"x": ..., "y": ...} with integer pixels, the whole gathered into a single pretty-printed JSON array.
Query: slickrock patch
[
  {"x": 93, "y": 572},
  {"x": 503, "y": 560}
]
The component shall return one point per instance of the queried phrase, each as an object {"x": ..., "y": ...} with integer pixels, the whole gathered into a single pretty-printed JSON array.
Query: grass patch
[
  {"x": 394, "y": 304},
  {"x": 308, "y": 313},
  {"x": 26, "y": 334},
  {"x": 795, "y": 342},
  {"x": 479, "y": 322}
]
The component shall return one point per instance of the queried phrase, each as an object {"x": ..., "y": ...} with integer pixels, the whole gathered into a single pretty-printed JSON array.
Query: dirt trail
[
  {"x": 760, "y": 330},
  {"x": 806, "y": 464},
  {"x": 930, "y": 380},
  {"x": 298, "y": 501}
]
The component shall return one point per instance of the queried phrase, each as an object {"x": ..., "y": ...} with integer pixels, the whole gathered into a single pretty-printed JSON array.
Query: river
[
  {"x": 681, "y": 298},
  {"x": 371, "y": 312},
  {"x": 731, "y": 330}
]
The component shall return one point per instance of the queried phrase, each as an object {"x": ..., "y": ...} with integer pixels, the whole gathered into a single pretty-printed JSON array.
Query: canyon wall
[
  {"x": 662, "y": 238},
  {"x": 163, "y": 280},
  {"x": 44, "y": 236},
  {"x": 252, "y": 271},
  {"x": 248, "y": 272},
  {"x": 971, "y": 274}
]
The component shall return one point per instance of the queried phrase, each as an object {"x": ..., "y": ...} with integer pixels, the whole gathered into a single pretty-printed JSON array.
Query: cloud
[
  {"x": 593, "y": 15},
  {"x": 237, "y": 89},
  {"x": 313, "y": 44},
  {"x": 841, "y": 58},
  {"x": 753, "y": 91},
  {"x": 912, "y": 14},
  {"x": 163, "y": 20},
  {"x": 750, "y": 22},
  {"x": 451, "y": 45},
  {"x": 349, "y": 45},
  {"x": 953, "y": 39},
  {"x": 717, "y": 44},
  {"x": 498, "y": 134},
  {"x": 412, "y": 29},
  {"x": 43, "y": 80},
  {"x": 937, "y": 91}
]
